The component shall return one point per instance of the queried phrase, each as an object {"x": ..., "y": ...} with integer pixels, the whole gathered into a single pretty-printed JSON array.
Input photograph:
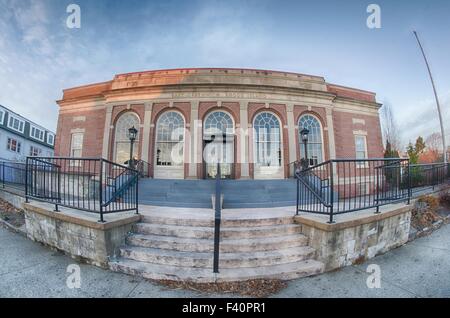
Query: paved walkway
[{"x": 419, "y": 269}]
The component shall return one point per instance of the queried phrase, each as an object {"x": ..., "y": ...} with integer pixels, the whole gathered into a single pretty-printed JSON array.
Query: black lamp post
[
  {"x": 132, "y": 134},
  {"x": 304, "y": 135}
]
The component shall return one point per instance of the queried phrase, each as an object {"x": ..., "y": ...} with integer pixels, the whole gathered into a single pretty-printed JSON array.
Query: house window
[
  {"x": 37, "y": 133},
  {"x": 50, "y": 139},
  {"x": 14, "y": 145},
  {"x": 76, "y": 145},
  {"x": 360, "y": 148},
  {"x": 35, "y": 151},
  {"x": 2, "y": 116},
  {"x": 16, "y": 124}
]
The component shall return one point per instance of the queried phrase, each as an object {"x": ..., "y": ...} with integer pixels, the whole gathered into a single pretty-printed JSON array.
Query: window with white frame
[
  {"x": 170, "y": 139},
  {"x": 360, "y": 148},
  {"x": 267, "y": 141},
  {"x": 37, "y": 133},
  {"x": 315, "y": 147},
  {"x": 50, "y": 139},
  {"x": 16, "y": 124},
  {"x": 35, "y": 151},
  {"x": 2, "y": 116},
  {"x": 14, "y": 145},
  {"x": 121, "y": 139},
  {"x": 76, "y": 145}
]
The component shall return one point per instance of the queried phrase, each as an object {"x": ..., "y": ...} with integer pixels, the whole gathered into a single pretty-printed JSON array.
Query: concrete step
[
  {"x": 225, "y": 222},
  {"x": 226, "y": 245},
  {"x": 205, "y": 275},
  {"x": 208, "y": 232},
  {"x": 226, "y": 260}
]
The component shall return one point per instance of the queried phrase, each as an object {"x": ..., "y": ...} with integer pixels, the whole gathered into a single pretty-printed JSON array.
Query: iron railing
[
  {"x": 217, "y": 220},
  {"x": 347, "y": 185},
  {"x": 144, "y": 168},
  {"x": 429, "y": 175},
  {"x": 87, "y": 184},
  {"x": 12, "y": 174}
]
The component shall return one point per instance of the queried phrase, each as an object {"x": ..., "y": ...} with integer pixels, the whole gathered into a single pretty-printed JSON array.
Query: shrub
[
  {"x": 431, "y": 202},
  {"x": 444, "y": 198}
]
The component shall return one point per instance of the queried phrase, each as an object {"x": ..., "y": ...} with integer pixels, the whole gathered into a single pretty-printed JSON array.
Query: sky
[{"x": 40, "y": 56}]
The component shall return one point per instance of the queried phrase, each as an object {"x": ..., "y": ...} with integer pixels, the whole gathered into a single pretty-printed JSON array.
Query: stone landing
[{"x": 175, "y": 244}]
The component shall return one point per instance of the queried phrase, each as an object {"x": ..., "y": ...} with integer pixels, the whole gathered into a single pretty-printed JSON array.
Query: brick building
[{"x": 249, "y": 118}]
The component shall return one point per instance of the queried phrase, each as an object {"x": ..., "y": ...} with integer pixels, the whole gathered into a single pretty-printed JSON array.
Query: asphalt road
[{"x": 418, "y": 269}]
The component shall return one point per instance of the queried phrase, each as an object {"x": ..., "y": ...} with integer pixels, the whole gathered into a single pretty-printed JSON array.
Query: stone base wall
[
  {"x": 86, "y": 240},
  {"x": 342, "y": 244},
  {"x": 13, "y": 197}
]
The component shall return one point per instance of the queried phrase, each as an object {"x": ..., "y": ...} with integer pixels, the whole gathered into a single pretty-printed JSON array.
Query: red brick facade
[{"x": 195, "y": 93}]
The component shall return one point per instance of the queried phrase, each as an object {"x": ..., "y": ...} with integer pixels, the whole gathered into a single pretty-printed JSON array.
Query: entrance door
[{"x": 219, "y": 149}]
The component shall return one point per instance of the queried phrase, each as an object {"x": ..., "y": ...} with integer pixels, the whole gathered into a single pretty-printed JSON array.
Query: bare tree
[
  {"x": 389, "y": 127},
  {"x": 434, "y": 142}
]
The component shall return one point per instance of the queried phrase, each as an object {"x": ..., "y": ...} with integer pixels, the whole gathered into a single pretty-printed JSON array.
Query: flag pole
[{"x": 444, "y": 145}]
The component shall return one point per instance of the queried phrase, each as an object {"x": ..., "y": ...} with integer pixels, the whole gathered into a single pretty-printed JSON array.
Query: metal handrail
[
  {"x": 81, "y": 183},
  {"x": 217, "y": 220}
]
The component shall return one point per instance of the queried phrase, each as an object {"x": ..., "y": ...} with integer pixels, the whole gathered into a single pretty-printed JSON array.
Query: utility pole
[{"x": 444, "y": 145}]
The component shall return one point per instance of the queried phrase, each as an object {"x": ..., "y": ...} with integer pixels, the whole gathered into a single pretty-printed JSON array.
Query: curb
[{"x": 13, "y": 228}]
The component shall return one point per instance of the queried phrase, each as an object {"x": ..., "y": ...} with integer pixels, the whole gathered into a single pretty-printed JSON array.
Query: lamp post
[
  {"x": 132, "y": 133},
  {"x": 304, "y": 135}
]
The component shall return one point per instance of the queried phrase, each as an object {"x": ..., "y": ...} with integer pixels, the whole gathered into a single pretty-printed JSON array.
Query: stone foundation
[
  {"x": 79, "y": 237},
  {"x": 356, "y": 239}
]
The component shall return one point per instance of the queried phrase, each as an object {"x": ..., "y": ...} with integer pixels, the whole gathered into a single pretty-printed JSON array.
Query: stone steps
[
  {"x": 180, "y": 247},
  {"x": 226, "y": 245},
  {"x": 209, "y": 222},
  {"x": 227, "y": 260},
  {"x": 205, "y": 275},
  {"x": 208, "y": 232}
]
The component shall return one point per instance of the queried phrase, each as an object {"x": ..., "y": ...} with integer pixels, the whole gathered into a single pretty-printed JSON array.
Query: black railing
[
  {"x": 217, "y": 220},
  {"x": 428, "y": 175},
  {"x": 144, "y": 168},
  {"x": 12, "y": 174},
  {"x": 347, "y": 185},
  {"x": 87, "y": 184}
]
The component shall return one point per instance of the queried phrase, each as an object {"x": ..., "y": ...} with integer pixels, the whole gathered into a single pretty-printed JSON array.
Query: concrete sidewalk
[{"x": 418, "y": 269}]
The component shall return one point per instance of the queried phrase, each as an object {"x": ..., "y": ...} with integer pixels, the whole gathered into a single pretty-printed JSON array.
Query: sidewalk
[{"x": 418, "y": 269}]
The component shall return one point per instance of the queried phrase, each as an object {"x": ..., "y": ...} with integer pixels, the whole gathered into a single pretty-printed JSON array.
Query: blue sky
[{"x": 40, "y": 56}]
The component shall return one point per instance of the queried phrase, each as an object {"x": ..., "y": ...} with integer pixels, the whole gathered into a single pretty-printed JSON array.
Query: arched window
[
  {"x": 315, "y": 148},
  {"x": 267, "y": 140},
  {"x": 218, "y": 122},
  {"x": 121, "y": 140},
  {"x": 170, "y": 139}
]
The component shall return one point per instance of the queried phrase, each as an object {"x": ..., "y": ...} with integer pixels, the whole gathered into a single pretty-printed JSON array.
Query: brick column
[
  {"x": 331, "y": 140},
  {"x": 244, "y": 149},
  {"x": 146, "y": 131},
  {"x": 291, "y": 135},
  {"x": 106, "y": 132}
]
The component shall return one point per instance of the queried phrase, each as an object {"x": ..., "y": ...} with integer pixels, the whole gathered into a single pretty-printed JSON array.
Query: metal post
[
  {"x": 306, "y": 165},
  {"x": 131, "y": 161},
  {"x": 377, "y": 189},
  {"x": 101, "y": 192},
  {"x": 444, "y": 145},
  {"x": 58, "y": 171},
  {"x": 409, "y": 182},
  {"x": 3, "y": 174},
  {"x": 217, "y": 218},
  {"x": 26, "y": 180},
  {"x": 331, "y": 193},
  {"x": 136, "y": 192},
  {"x": 298, "y": 190}
]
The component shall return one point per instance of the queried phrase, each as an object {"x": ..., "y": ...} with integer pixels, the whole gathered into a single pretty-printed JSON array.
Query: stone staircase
[{"x": 181, "y": 248}]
